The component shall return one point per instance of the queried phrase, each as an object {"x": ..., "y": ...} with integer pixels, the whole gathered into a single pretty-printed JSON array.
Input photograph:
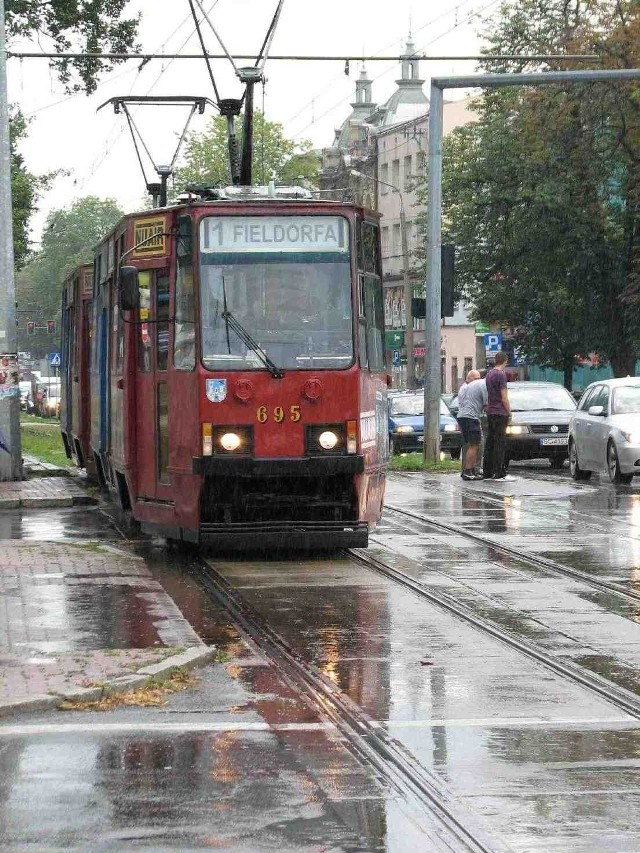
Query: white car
[{"x": 604, "y": 433}]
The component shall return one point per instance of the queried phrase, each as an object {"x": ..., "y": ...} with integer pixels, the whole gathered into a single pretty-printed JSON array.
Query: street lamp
[{"x": 408, "y": 291}]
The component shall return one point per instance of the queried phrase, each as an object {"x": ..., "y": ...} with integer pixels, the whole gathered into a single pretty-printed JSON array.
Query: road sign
[
  {"x": 396, "y": 357},
  {"x": 54, "y": 359},
  {"x": 493, "y": 342}
]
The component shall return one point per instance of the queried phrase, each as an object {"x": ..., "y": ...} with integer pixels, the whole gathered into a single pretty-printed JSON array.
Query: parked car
[
  {"x": 25, "y": 396},
  {"x": 604, "y": 434},
  {"x": 46, "y": 397},
  {"x": 406, "y": 425},
  {"x": 539, "y": 427},
  {"x": 447, "y": 399}
]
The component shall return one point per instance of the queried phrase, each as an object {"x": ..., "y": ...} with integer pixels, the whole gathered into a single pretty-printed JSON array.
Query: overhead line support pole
[
  {"x": 10, "y": 446},
  {"x": 433, "y": 384}
]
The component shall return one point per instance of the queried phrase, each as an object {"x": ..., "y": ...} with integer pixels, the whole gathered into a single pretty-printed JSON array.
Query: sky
[{"x": 94, "y": 150}]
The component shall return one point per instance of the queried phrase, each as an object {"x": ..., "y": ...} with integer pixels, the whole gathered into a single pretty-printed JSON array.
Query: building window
[
  {"x": 408, "y": 175},
  {"x": 468, "y": 365},
  {"x": 384, "y": 176},
  {"x": 385, "y": 240},
  {"x": 454, "y": 375},
  {"x": 395, "y": 244},
  {"x": 395, "y": 173}
]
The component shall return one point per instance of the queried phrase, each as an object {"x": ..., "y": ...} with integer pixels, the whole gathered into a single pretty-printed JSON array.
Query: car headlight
[
  {"x": 517, "y": 429},
  {"x": 404, "y": 429},
  {"x": 451, "y": 428}
]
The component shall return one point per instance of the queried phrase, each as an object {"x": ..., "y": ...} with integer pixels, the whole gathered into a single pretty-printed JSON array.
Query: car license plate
[{"x": 554, "y": 442}]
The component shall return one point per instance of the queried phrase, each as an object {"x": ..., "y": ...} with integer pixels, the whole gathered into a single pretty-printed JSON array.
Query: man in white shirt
[{"x": 472, "y": 398}]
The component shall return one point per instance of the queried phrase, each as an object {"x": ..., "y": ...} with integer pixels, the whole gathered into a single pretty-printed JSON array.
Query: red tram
[{"x": 236, "y": 370}]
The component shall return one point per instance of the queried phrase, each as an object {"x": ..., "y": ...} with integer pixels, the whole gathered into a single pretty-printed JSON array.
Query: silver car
[{"x": 604, "y": 433}]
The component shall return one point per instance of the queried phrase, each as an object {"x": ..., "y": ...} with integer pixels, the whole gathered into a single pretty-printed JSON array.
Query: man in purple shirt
[{"x": 498, "y": 416}]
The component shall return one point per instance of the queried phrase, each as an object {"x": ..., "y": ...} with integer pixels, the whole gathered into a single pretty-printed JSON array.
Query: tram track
[
  {"x": 605, "y": 689},
  {"x": 454, "y": 827},
  {"x": 521, "y": 556}
]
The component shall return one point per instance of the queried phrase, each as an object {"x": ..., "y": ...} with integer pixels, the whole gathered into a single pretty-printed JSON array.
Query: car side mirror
[
  {"x": 128, "y": 289},
  {"x": 596, "y": 411}
]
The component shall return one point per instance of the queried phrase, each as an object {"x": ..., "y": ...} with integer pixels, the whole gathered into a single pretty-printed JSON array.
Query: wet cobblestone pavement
[
  {"x": 537, "y": 751},
  {"x": 76, "y": 615}
]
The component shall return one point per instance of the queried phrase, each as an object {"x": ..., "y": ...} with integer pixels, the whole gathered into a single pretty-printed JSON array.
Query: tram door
[{"x": 152, "y": 401}]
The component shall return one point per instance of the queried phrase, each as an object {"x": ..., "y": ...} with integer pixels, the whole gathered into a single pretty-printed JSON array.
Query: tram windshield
[{"x": 286, "y": 280}]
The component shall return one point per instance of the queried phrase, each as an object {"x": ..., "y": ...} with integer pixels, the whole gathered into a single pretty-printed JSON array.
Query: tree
[
  {"x": 68, "y": 240},
  {"x": 542, "y": 195},
  {"x": 92, "y": 26},
  {"x": 206, "y": 157},
  {"x": 24, "y": 190}
]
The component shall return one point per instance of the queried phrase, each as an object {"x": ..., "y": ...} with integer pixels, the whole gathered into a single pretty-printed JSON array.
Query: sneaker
[
  {"x": 506, "y": 479},
  {"x": 478, "y": 475},
  {"x": 468, "y": 475}
]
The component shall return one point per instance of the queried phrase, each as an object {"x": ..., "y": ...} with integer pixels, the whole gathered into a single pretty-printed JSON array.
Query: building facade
[{"x": 379, "y": 158}]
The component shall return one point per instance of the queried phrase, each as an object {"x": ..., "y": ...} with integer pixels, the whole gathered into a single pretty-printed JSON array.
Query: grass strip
[
  {"x": 416, "y": 462},
  {"x": 43, "y": 440}
]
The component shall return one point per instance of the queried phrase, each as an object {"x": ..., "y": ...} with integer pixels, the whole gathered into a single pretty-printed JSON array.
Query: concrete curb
[{"x": 190, "y": 659}]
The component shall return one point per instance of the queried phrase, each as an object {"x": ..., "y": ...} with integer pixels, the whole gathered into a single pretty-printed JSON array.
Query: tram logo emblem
[
  {"x": 554, "y": 428},
  {"x": 216, "y": 390}
]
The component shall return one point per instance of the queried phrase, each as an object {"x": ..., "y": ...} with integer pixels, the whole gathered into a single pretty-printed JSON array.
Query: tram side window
[
  {"x": 371, "y": 299},
  {"x": 162, "y": 320},
  {"x": 184, "y": 339},
  {"x": 144, "y": 338},
  {"x": 163, "y": 432}
]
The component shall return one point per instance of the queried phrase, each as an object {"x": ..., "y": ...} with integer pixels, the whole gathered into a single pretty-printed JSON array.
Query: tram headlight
[
  {"x": 230, "y": 441},
  {"x": 328, "y": 440}
]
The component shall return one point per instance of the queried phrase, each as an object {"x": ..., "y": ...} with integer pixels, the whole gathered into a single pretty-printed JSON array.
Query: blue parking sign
[{"x": 493, "y": 342}]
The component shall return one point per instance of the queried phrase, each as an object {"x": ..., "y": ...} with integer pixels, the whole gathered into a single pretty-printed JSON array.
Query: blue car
[{"x": 406, "y": 425}]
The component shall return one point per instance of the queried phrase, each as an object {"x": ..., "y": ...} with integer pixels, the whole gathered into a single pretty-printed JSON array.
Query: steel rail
[
  {"x": 619, "y": 696},
  {"x": 460, "y": 830},
  {"x": 523, "y": 556}
]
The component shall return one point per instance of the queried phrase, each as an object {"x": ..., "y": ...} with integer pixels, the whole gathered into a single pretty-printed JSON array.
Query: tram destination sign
[
  {"x": 246, "y": 234},
  {"x": 149, "y": 237}
]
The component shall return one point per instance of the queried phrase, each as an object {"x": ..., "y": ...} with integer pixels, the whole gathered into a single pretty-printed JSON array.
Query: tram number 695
[{"x": 279, "y": 414}]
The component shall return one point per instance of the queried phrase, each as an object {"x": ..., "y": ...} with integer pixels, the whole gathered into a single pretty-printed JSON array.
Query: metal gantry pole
[
  {"x": 432, "y": 375},
  {"x": 10, "y": 446},
  {"x": 432, "y": 383}
]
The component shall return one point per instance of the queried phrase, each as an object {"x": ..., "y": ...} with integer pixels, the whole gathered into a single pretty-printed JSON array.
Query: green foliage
[
  {"x": 93, "y": 26},
  {"x": 206, "y": 157},
  {"x": 416, "y": 462},
  {"x": 542, "y": 195},
  {"x": 68, "y": 240},
  {"x": 24, "y": 189}
]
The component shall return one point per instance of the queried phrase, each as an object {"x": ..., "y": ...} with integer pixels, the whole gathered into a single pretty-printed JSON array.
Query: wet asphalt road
[{"x": 533, "y": 759}]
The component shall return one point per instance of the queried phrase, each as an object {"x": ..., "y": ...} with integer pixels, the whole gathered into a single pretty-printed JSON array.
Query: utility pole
[
  {"x": 407, "y": 289},
  {"x": 10, "y": 446}
]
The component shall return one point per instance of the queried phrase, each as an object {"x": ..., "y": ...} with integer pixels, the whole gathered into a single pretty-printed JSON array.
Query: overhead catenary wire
[
  {"x": 204, "y": 51},
  {"x": 346, "y": 57}
]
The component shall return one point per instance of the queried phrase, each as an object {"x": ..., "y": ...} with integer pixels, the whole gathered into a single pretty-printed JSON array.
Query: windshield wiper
[
  {"x": 245, "y": 337},
  {"x": 230, "y": 322}
]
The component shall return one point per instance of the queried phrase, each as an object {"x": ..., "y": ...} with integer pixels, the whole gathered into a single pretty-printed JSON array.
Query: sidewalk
[
  {"x": 45, "y": 486},
  {"x": 80, "y": 620}
]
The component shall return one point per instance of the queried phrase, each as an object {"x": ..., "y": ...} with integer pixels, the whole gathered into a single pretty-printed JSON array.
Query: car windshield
[
  {"x": 626, "y": 400},
  {"x": 539, "y": 398},
  {"x": 286, "y": 282},
  {"x": 413, "y": 404}
]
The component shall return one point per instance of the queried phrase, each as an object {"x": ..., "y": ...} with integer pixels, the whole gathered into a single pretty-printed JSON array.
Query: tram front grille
[{"x": 265, "y": 499}]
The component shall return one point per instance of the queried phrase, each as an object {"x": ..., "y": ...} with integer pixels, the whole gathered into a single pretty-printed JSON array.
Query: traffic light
[
  {"x": 51, "y": 327},
  {"x": 31, "y": 328}
]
